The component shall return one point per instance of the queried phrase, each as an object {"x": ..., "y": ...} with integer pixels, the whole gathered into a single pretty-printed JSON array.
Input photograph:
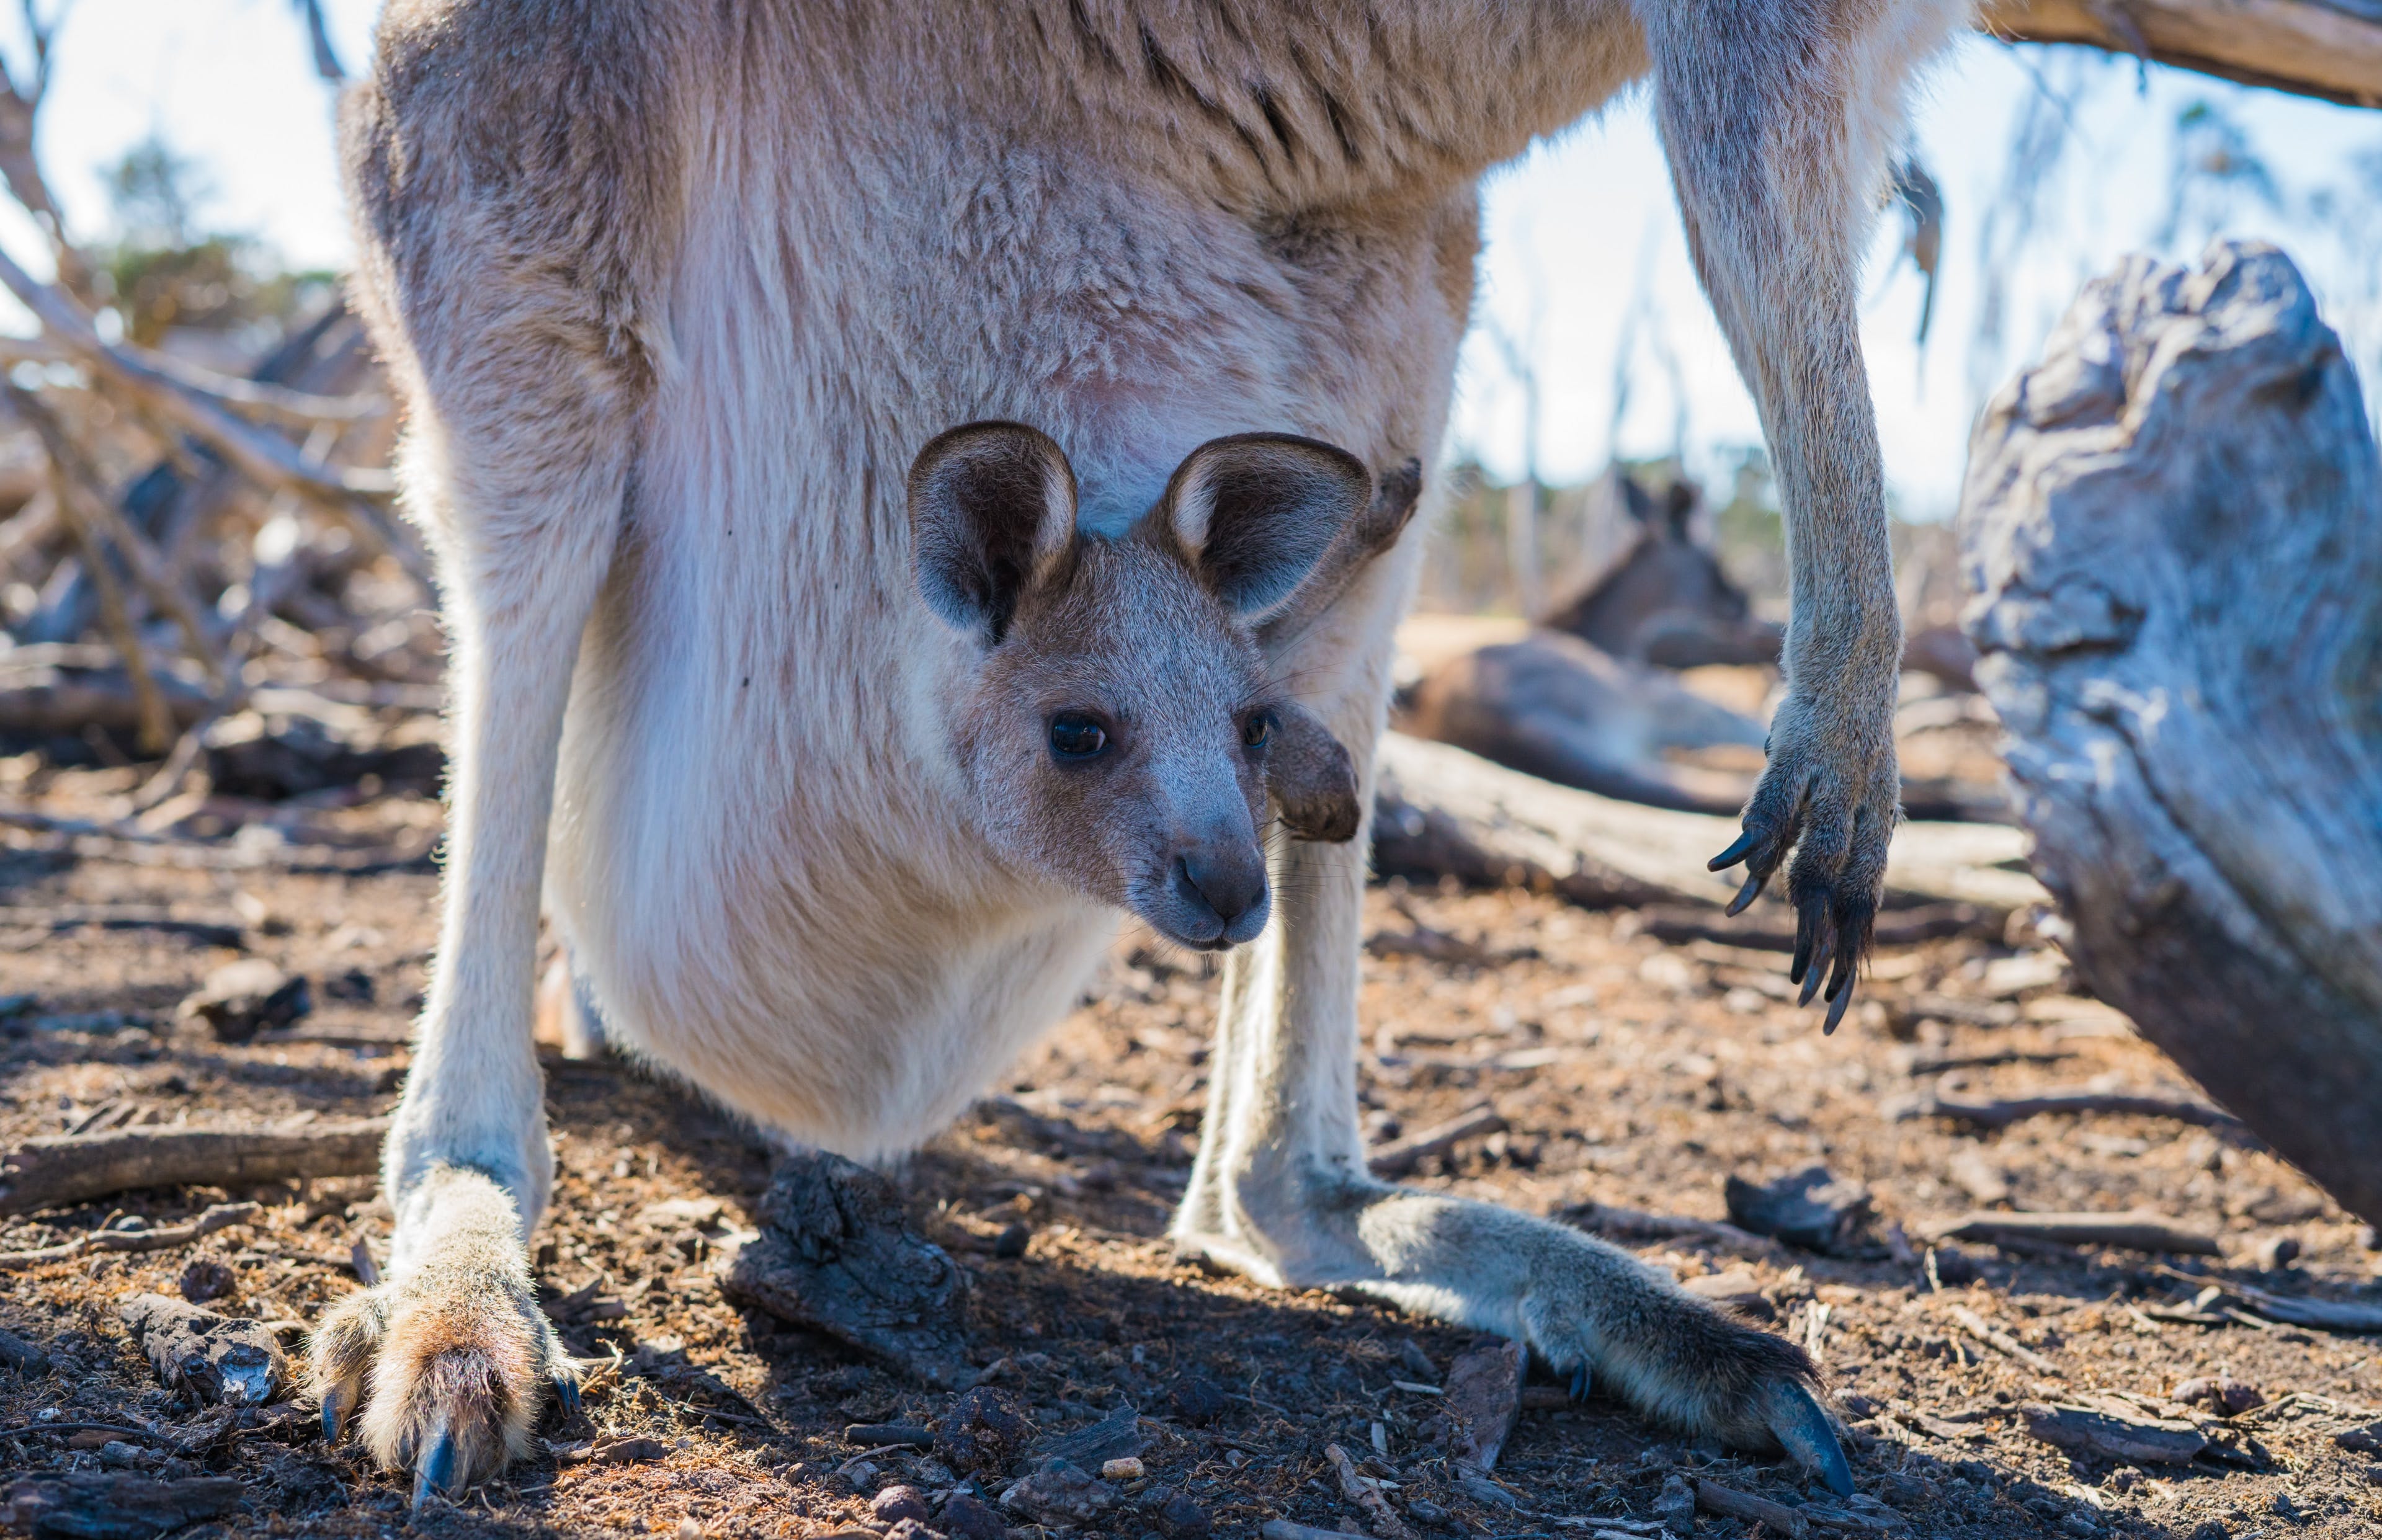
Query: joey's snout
[{"x": 1216, "y": 893}]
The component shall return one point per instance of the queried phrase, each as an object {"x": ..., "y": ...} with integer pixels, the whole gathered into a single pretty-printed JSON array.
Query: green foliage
[{"x": 166, "y": 271}]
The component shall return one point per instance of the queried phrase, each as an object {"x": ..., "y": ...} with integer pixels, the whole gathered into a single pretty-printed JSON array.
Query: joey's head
[{"x": 1117, "y": 724}]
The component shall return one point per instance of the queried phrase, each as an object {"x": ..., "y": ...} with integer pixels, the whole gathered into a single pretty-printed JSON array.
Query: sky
[{"x": 1583, "y": 240}]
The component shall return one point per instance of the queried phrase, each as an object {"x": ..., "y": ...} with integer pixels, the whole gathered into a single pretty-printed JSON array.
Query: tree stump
[{"x": 2172, "y": 531}]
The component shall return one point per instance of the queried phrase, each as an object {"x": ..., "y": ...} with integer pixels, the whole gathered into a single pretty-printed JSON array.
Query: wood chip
[
  {"x": 1484, "y": 1397},
  {"x": 1366, "y": 1493},
  {"x": 2112, "y": 1434},
  {"x": 1727, "y": 1502}
]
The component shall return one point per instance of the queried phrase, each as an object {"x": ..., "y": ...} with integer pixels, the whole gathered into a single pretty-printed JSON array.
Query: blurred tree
[{"x": 166, "y": 271}]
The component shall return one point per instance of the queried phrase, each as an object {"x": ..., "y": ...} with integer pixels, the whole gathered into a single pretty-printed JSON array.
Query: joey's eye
[
  {"x": 1257, "y": 728},
  {"x": 1076, "y": 735}
]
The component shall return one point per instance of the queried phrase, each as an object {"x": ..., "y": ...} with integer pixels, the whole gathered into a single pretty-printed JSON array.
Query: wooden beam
[{"x": 2326, "y": 48}]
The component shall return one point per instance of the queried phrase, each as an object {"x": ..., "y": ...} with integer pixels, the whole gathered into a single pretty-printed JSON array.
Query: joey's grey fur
[{"x": 674, "y": 293}]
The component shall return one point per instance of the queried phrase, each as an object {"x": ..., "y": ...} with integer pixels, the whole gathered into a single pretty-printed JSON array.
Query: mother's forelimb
[{"x": 1776, "y": 116}]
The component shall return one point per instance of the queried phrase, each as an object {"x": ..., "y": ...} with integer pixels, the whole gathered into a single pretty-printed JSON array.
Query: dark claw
[
  {"x": 1836, "y": 1010},
  {"x": 1746, "y": 895},
  {"x": 1819, "y": 964},
  {"x": 566, "y": 1392},
  {"x": 1801, "y": 1428},
  {"x": 1736, "y": 853},
  {"x": 1580, "y": 1382},
  {"x": 436, "y": 1475},
  {"x": 335, "y": 1415}
]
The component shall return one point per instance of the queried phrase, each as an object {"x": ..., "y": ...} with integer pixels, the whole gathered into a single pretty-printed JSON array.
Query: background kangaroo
[{"x": 675, "y": 293}]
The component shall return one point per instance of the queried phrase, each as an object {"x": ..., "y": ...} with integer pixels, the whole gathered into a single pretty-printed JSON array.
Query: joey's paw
[
  {"x": 1831, "y": 795},
  {"x": 1312, "y": 779},
  {"x": 442, "y": 1372}
]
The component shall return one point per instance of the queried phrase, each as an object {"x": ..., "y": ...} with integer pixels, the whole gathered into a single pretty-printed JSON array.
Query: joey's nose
[{"x": 1232, "y": 882}]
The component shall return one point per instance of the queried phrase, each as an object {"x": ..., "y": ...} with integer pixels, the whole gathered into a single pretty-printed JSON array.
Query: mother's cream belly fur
[{"x": 862, "y": 1029}]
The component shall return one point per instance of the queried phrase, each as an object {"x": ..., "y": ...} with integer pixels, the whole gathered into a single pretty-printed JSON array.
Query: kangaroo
[{"x": 674, "y": 293}]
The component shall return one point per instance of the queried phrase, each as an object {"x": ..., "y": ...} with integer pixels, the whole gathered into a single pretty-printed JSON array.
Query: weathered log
[
  {"x": 2326, "y": 48},
  {"x": 1440, "y": 811},
  {"x": 2174, "y": 531},
  {"x": 49, "y": 1172}
]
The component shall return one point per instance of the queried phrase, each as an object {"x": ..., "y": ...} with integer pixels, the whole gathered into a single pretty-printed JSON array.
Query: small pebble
[
  {"x": 1009, "y": 1244},
  {"x": 1128, "y": 1469},
  {"x": 689, "y": 1529}
]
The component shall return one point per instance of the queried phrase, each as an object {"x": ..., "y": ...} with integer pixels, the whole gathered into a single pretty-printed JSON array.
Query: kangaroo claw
[
  {"x": 435, "y": 1474},
  {"x": 566, "y": 1393},
  {"x": 337, "y": 1401},
  {"x": 1803, "y": 1430},
  {"x": 1580, "y": 1382}
]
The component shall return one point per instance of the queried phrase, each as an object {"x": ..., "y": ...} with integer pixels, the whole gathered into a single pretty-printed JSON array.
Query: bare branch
[
  {"x": 2326, "y": 48},
  {"x": 318, "y": 36},
  {"x": 264, "y": 458},
  {"x": 82, "y": 493}
]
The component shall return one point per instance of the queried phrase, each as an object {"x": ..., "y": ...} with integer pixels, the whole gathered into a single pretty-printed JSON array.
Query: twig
[
  {"x": 84, "y": 1427},
  {"x": 2135, "y": 1229},
  {"x": 2291, "y": 1310},
  {"x": 156, "y": 729},
  {"x": 2002, "y": 1114},
  {"x": 1366, "y": 1493},
  {"x": 2001, "y": 1341},
  {"x": 50, "y": 1172},
  {"x": 1611, "y": 1220},
  {"x": 79, "y": 480},
  {"x": 1397, "y": 1158},
  {"x": 220, "y": 1216}
]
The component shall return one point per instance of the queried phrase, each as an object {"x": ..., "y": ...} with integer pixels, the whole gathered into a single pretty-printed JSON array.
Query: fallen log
[
  {"x": 2134, "y": 1230},
  {"x": 1440, "y": 811},
  {"x": 72, "y": 1168},
  {"x": 2326, "y": 48},
  {"x": 2175, "y": 525},
  {"x": 2002, "y": 1114}
]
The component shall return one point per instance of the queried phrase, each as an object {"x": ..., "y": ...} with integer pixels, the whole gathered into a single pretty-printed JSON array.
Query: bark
[
  {"x": 1440, "y": 812},
  {"x": 2326, "y": 48},
  {"x": 2173, "y": 530}
]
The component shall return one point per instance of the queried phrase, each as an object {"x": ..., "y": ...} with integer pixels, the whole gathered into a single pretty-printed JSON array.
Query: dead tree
[{"x": 2173, "y": 529}]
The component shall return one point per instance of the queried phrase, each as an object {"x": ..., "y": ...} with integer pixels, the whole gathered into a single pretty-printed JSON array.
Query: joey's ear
[
  {"x": 1255, "y": 512},
  {"x": 992, "y": 511}
]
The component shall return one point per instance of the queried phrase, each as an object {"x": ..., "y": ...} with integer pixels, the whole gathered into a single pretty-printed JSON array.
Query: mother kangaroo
[{"x": 674, "y": 292}]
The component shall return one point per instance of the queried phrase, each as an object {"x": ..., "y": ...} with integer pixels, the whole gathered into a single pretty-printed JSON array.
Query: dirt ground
[{"x": 1630, "y": 1072}]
